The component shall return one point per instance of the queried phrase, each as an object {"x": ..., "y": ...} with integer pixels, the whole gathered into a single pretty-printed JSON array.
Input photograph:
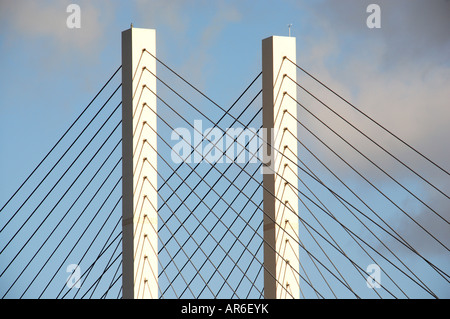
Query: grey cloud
[
  {"x": 410, "y": 29},
  {"x": 400, "y": 76}
]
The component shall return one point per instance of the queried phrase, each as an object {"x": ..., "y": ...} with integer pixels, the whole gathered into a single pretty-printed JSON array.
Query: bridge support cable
[
  {"x": 114, "y": 281},
  {"x": 40, "y": 203},
  {"x": 329, "y": 213},
  {"x": 61, "y": 138},
  {"x": 356, "y": 217},
  {"x": 237, "y": 120},
  {"x": 166, "y": 103},
  {"x": 52, "y": 214},
  {"x": 346, "y": 206},
  {"x": 214, "y": 145},
  {"x": 237, "y": 237},
  {"x": 59, "y": 222},
  {"x": 102, "y": 226},
  {"x": 209, "y": 234},
  {"x": 370, "y": 118},
  {"x": 193, "y": 170},
  {"x": 111, "y": 234},
  {"x": 170, "y": 107},
  {"x": 53, "y": 167},
  {"x": 341, "y": 199},
  {"x": 368, "y": 159},
  {"x": 227, "y": 177},
  {"x": 211, "y": 168},
  {"x": 108, "y": 266},
  {"x": 287, "y": 221},
  {"x": 85, "y": 231},
  {"x": 370, "y": 183},
  {"x": 215, "y": 224},
  {"x": 118, "y": 238}
]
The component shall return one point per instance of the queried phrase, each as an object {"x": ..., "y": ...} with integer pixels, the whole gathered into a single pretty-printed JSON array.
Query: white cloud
[{"x": 41, "y": 21}]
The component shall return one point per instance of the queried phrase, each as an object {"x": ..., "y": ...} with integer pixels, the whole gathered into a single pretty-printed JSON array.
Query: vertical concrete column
[
  {"x": 281, "y": 249},
  {"x": 139, "y": 178}
]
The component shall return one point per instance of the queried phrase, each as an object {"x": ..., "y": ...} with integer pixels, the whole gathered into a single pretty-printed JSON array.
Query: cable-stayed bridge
[{"x": 291, "y": 191}]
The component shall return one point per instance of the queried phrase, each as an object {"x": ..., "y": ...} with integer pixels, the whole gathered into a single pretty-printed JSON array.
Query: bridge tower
[
  {"x": 281, "y": 250},
  {"x": 139, "y": 181},
  {"x": 139, "y": 157}
]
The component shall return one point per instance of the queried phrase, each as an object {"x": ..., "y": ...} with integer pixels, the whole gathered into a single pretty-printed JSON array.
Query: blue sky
[{"x": 399, "y": 74}]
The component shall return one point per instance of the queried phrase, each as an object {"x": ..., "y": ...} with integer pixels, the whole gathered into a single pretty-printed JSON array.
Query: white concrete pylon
[
  {"x": 139, "y": 178},
  {"x": 281, "y": 249}
]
